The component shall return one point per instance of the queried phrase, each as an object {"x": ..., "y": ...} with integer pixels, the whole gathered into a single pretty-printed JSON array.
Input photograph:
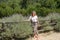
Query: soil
[{"x": 47, "y": 36}]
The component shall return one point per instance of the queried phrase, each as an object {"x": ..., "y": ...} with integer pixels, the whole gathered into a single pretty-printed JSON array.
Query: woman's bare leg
[{"x": 35, "y": 32}]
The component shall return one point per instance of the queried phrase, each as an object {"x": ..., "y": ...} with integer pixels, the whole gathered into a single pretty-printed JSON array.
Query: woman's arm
[{"x": 28, "y": 19}]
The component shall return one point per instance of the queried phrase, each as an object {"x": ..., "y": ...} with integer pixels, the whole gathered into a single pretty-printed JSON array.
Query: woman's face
[{"x": 33, "y": 13}]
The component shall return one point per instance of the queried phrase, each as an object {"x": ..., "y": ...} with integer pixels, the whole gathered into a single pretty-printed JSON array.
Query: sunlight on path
[{"x": 52, "y": 36}]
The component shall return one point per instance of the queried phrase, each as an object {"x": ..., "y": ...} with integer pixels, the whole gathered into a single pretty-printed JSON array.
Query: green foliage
[
  {"x": 24, "y": 7},
  {"x": 24, "y": 29},
  {"x": 17, "y": 10},
  {"x": 2, "y": 12},
  {"x": 24, "y": 12},
  {"x": 18, "y": 30},
  {"x": 58, "y": 10},
  {"x": 48, "y": 28},
  {"x": 50, "y": 3},
  {"x": 51, "y": 22},
  {"x": 3, "y": 4},
  {"x": 30, "y": 8},
  {"x": 57, "y": 27},
  {"x": 8, "y": 11}
]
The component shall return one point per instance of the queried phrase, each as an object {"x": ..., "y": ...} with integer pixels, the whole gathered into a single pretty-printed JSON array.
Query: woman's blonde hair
[{"x": 34, "y": 12}]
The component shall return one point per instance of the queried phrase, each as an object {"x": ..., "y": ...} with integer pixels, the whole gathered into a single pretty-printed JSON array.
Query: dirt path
[{"x": 47, "y": 36}]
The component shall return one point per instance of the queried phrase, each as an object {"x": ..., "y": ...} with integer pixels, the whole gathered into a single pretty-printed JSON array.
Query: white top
[{"x": 33, "y": 19}]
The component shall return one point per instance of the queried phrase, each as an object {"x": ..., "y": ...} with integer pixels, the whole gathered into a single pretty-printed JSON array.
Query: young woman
[{"x": 34, "y": 22}]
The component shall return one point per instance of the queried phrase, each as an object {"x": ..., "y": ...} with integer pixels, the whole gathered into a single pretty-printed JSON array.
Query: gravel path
[{"x": 47, "y": 36}]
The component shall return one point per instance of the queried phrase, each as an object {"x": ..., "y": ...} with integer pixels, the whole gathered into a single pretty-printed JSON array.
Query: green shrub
[
  {"x": 23, "y": 29},
  {"x": 48, "y": 28},
  {"x": 57, "y": 27},
  {"x": 9, "y": 11},
  {"x": 17, "y": 10},
  {"x": 51, "y": 22},
  {"x": 58, "y": 10},
  {"x": 18, "y": 30},
  {"x": 2, "y": 12},
  {"x": 56, "y": 19}
]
